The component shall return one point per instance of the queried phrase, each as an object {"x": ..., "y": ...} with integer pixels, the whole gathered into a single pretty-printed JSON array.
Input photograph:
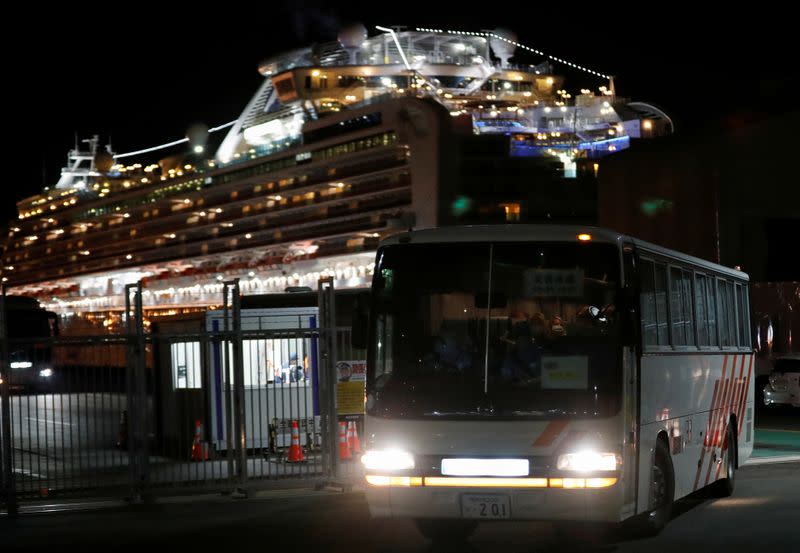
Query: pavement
[
  {"x": 777, "y": 435},
  {"x": 764, "y": 510}
]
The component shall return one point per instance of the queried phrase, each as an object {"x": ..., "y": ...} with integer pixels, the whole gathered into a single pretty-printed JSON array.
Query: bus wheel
[
  {"x": 439, "y": 530},
  {"x": 662, "y": 494},
  {"x": 724, "y": 487}
]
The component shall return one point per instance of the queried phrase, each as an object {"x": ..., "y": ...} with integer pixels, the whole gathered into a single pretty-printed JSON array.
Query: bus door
[{"x": 630, "y": 374}]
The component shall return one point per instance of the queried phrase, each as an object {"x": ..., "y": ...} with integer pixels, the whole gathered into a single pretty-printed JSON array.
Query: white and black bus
[{"x": 556, "y": 373}]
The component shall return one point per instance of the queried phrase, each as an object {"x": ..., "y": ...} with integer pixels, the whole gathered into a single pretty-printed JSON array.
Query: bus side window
[
  {"x": 661, "y": 304},
  {"x": 700, "y": 309},
  {"x": 648, "y": 303},
  {"x": 730, "y": 301},
  {"x": 676, "y": 307},
  {"x": 688, "y": 314},
  {"x": 742, "y": 315},
  {"x": 711, "y": 311},
  {"x": 744, "y": 320},
  {"x": 727, "y": 313}
]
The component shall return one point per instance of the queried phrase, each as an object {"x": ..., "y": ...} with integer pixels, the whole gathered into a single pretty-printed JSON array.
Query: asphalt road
[{"x": 762, "y": 515}]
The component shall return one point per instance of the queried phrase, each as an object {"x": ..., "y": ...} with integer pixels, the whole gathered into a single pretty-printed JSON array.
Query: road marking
[
  {"x": 45, "y": 421},
  {"x": 770, "y": 460}
]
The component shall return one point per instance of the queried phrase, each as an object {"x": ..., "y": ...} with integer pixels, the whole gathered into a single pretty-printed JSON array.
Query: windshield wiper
[{"x": 473, "y": 413}]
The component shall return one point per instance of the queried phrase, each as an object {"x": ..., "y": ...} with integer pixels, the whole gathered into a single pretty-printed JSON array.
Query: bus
[
  {"x": 554, "y": 373},
  {"x": 29, "y": 329}
]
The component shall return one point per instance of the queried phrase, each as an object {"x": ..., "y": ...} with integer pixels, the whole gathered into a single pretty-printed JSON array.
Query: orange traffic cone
[
  {"x": 199, "y": 449},
  {"x": 344, "y": 447},
  {"x": 295, "y": 451},
  {"x": 352, "y": 438}
]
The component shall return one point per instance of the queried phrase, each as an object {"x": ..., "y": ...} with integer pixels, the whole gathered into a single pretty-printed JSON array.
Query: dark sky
[{"x": 144, "y": 77}]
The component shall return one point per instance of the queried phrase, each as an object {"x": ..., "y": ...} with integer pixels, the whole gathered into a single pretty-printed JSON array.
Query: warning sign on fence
[{"x": 351, "y": 377}]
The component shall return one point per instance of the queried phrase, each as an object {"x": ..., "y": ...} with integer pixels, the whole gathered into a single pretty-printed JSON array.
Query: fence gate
[
  {"x": 222, "y": 400},
  {"x": 8, "y": 498},
  {"x": 139, "y": 427}
]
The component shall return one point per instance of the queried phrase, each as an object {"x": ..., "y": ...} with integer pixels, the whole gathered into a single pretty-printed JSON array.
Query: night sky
[{"x": 142, "y": 78}]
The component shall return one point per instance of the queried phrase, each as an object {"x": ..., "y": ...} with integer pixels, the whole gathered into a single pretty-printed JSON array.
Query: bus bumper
[{"x": 595, "y": 505}]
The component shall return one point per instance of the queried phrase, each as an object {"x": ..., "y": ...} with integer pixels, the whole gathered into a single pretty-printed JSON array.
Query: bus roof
[{"x": 547, "y": 233}]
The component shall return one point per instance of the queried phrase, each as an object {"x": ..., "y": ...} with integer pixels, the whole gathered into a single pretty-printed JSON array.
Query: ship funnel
[
  {"x": 198, "y": 137},
  {"x": 351, "y": 38},
  {"x": 502, "y": 45},
  {"x": 103, "y": 162}
]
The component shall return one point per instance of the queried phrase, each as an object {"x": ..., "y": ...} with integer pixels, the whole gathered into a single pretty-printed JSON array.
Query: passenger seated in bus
[
  {"x": 453, "y": 352},
  {"x": 523, "y": 354},
  {"x": 557, "y": 327}
]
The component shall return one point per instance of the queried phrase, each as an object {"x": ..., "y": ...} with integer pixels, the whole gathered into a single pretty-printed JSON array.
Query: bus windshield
[{"x": 505, "y": 330}]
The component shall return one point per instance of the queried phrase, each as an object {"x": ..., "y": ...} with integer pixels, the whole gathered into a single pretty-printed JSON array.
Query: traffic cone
[
  {"x": 199, "y": 449},
  {"x": 344, "y": 447},
  {"x": 352, "y": 438},
  {"x": 295, "y": 451}
]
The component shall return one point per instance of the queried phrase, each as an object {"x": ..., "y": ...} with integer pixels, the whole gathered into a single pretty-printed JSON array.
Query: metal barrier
[{"x": 228, "y": 406}]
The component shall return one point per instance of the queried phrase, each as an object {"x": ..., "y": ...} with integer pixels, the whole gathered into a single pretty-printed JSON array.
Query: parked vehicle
[
  {"x": 30, "y": 329},
  {"x": 783, "y": 385}
]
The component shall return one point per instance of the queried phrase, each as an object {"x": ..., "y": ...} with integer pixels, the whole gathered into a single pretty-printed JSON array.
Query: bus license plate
[{"x": 485, "y": 506}]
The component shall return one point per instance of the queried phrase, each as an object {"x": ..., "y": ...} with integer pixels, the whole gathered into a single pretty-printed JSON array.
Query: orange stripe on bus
[
  {"x": 709, "y": 422},
  {"x": 551, "y": 432},
  {"x": 740, "y": 393},
  {"x": 746, "y": 393},
  {"x": 722, "y": 418}
]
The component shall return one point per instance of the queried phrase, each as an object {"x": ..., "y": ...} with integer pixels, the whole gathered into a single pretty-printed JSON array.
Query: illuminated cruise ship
[{"x": 342, "y": 144}]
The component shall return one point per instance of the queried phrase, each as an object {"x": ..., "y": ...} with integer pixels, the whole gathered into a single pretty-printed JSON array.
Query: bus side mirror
[{"x": 360, "y": 322}]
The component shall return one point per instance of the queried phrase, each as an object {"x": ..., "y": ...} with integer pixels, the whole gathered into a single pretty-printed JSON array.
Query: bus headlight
[
  {"x": 388, "y": 459},
  {"x": 588, "y": 461},
  {"x": 46, "y": 373}
]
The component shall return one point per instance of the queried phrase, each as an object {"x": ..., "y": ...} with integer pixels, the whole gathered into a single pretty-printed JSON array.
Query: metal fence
[{"x": 228, "y": 405}]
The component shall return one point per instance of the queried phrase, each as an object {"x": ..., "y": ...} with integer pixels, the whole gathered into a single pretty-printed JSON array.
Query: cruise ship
[{"x": 342, "y": 144}]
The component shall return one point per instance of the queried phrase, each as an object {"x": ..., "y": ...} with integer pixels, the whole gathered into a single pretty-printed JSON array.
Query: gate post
[
  {"x": 136, "y": 380},
  {"x": 8, "y": 493},
  {"x": 327, "y": 376},
  {"x": 234, "y": 309}
]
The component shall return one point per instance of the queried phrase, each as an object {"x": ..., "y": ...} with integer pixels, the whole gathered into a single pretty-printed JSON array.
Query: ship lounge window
[{"x": 350, "y": 80}]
